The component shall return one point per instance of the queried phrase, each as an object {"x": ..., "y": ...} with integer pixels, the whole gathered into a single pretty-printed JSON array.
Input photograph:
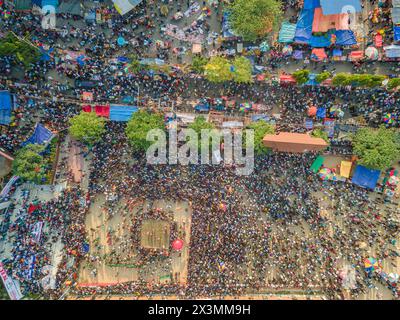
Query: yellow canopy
[{"x": 345, "y": 169}]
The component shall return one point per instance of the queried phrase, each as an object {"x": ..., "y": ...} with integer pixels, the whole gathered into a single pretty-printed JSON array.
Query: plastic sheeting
[
  {"x": 396, "y": 15},
  {"x": 41, "y": 135},
  {"x": 317, "y": 164},
  {"x": 5, "y": 107},
  {"x": 365, "y": 177},
  {"x": 227, "y": 32},
  {"x": 321, "y": 112},
  {"x": 122, "y": 113},
  {"x": 298, "y": 54},
  {"x": 304, "y": 26},
  {"x": 87, "y": 108},
  {"x": 321, "y": 41},
  {"x": 339, "y": 6},
  {"x": 345, "y": 38},
  {"x": 345, "y": 168},
  {"x": 337, "y": 52},
  {"x": 396, "y": 30},
  {"x": 311, "y": 4},
  {"x": 318, "y": 54},
  {"x": 323, "y": 23},
  {"x": 392, "y": 51},
  {"x": 102, "y": 111},
  {"x": 124, "y": 6},
  {"x": 287, "y": 32}
]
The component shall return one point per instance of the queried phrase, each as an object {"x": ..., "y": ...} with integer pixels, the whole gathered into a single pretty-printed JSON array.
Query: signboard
[{"x": 11, "y": 287}]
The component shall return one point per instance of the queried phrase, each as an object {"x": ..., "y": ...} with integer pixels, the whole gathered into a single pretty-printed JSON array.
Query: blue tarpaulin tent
[
  {"x": 53, "y": 3},
  {"x": 287, "y": 32},
  {"x": 6, "y": 106},
  {"x": 304, "y": 26},
  {"x": 311, "y": 80},
  {"x": 41, "y": 135},
  {"x": 122, "y": 113},
  {"x": 366, "y": 178},
  {"x": 311, "y": 4},
  {"x": 227, "y": 32},
  {"x": 345, "y": 38},
  {"x": 337, "y": 52},
  {"x": 321, "y": 112},
  {"x": 340, "y": 6},
  {"x": 396, "y": 30},
  {"x": 320, "y": 41}
]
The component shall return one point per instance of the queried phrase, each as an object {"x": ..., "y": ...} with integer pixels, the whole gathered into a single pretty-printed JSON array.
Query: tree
[
  {"x": 20, "y": 50},
  {"x": 319, "y": 133},
  {"x": 393, "y": 83},
  {"x": 28, "y": 163},
  {"x": 301, "y": 76},
  {"x": 87, "y": 127},
  {"x": 376, "y": 148},
  {"x": 363, "y": 80},
  {"x": 261, "y": 128},
  {"x": 198, "y": 64},
  {"x": 138, "y": 127},
  {"x": 218, "y": 69},
  {"x": 135, "y": 66},
  {"x": 322, "y": 76},
  {"x": 242, "y": 70},
  {"x": 199, "y": 124},
  {"x": 251, "y": 19}
]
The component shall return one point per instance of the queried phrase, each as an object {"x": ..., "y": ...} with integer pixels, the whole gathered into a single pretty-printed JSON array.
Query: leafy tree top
[
  {"x": 242, "y": 70},
  {"x": 28, "y": 163},
  {"x": 138, "y": 127},
  {"x": 255, "y": 18},
  {"x": 261, "y": 128},
  {"x": 376, "y": 148},
  {"x": 218, "y": 69},
  {"x": 87, "y": 127}
]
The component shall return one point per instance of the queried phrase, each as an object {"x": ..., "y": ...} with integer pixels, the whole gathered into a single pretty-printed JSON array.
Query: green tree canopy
[
  {"x": 22, "y": 51},
  {"x": 242, "y": 70},
  {"x": 198, "y": 64},
  {"x": 393, "y": 83},
  {"x": 376, "y": 148},
  {"x": 255, "y": 18},
  {"x": 319, "y": 133},
  {"x": 138, "y": 127},
  {"x": 87, "y": 127},
  {"x": 301, "y": 76},
  {"x": 362, "y": 80},
  {"x": 199, "y": 124},
  {"x": 28, "y": 163},
  {"x": 261, "y": 128},
  {"x": 218, "y": 70},
  {"x": 322, "y": 76}
]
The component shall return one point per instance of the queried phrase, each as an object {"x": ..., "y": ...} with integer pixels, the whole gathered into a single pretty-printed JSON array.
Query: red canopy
[
  {"x": 102, "y": 111},
  {"x": 177, "y": 244},
  {"x": 287, "y": 78},
  {"x": 356, "y": 55},
  {"x": 87, "y": 108},
  {"x": 312, "y": 111},
  {"x": 378, "y": 40}
]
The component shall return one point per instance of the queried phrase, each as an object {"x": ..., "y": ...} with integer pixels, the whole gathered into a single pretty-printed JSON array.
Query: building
[{"x": 294, "y": 142}]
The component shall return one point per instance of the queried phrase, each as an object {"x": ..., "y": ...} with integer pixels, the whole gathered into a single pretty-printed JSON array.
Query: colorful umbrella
[
  {"x": 388, "y": 118},
  {"x": 393, "y": 277},
  {"x": 325, "y": 174},
  {"x": 121, "y": 41},
  {"x": 372, "y": 53},
  {"x": 264, "y": 47},
  {"x": 287, "y": 50},
  {"x": 371, "y": 264}
]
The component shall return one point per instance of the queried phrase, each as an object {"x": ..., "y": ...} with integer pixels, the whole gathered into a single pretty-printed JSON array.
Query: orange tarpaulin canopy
[
  {"x": 356, "y": 55},
  {"x": 287, "y": 78},
  {"x": 294, "y": 142},
  {"x": 312, "y": 111},
  {"x": 319, "y": 53},
  {"x": 322, "y": 23}
]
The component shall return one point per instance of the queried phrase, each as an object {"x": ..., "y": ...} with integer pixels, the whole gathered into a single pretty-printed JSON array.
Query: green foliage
[
  {"x": 138, "y": 127},
  {"x": 301, "y": 76},
  {"x": 198, "y": 64},
  {"x": 135, "y": 66},
  {"x": 22, "y": 51},
  {"x": 242, "y": 70},
  {"x": 87, "y": 127},
  {"x": 362, "y": 80},
  {"x": 376, "y": 148},
  {"x": 28, "y": 163},
  {"x": 322, "y": 76},
  {"x": 393, "y": 83},
  {"x": 261, "y": 128},
  {"x": 218, "y": 70},
  {"x": 199, "y": 124},
  {"x": 255, "y": 18},
  {"x": 319, "y": 133}
]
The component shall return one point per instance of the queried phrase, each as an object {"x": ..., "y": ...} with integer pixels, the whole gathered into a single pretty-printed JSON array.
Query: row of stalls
[
  {"x": 331, "y": 168},
  {"x": 113, "y": 112},
  {"x": 332, "y": 31},
  {"x": 226, "y": 104}
]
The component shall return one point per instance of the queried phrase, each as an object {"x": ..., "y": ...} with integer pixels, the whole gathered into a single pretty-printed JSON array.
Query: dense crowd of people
[{"x": 266, "y": 230}]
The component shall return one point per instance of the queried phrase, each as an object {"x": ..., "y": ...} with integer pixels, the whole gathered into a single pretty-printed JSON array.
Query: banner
[
  {"x": 12, "y": 289},
  {"x": 37, "y": 231},
  {"x": 8, "y": 186}
]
